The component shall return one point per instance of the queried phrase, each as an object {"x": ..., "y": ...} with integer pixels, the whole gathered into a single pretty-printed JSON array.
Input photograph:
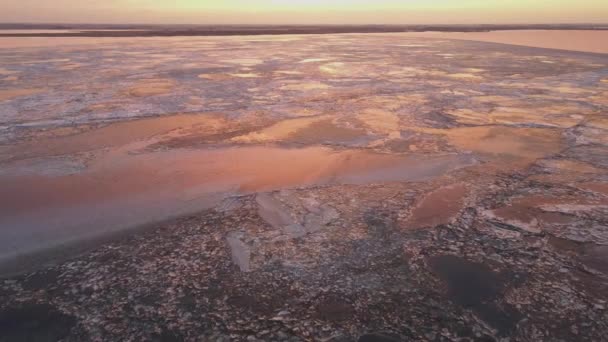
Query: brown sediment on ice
[
  {"x": 69, "y": 140},
  {"x": 245, "y": 75},
  {"x": 441, "y": 206},
  {"x": 151, "y": 87},
  {"x": 570, "y": 166},
  {"x": 214, "y": 77},
  {"x": 518, "y": 142},
  {"x": 380, "y": 121},
  {"x": 279, "y": 131},
  {"x": 10, "y": 94},
  {"x": 5, "y": 71},
  {"x": 305, "y": 86},
  {"x": 535, "y": 213},
  {"x": 326, "y": 130},
  {"x": 516, "y": 114},
  {"x": 503, "y": 147},
  {"x": 597, "y": 187}
]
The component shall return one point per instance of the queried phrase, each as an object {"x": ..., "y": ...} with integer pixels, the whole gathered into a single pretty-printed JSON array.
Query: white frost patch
[
  {"x": 314, "y": 60},
  {"x": 245, "y": 75},
  {"x": 245, "y": 61},
  {"x": 332, "y": 68},
  {"x": 572, "y": 208},
  {"x": 288, "y": 72},
  {"x": 306, "y": 86},
  {"x": 240, "y": 251},
  {"x": 531, "y": 226}
]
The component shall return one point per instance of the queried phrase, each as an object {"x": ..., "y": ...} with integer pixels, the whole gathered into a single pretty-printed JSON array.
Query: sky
[{"x": 305, "y": 11}]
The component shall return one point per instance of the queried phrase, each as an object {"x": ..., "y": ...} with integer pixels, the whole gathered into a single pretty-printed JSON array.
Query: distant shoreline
[{"x": 252, "y": 30}]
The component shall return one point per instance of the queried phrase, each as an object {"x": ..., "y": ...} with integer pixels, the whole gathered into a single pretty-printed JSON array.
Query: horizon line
[{"x": 302, "y": 24}]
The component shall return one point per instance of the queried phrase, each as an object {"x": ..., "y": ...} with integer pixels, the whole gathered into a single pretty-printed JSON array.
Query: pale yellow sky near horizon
[{"x": 305, "y": 11}]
